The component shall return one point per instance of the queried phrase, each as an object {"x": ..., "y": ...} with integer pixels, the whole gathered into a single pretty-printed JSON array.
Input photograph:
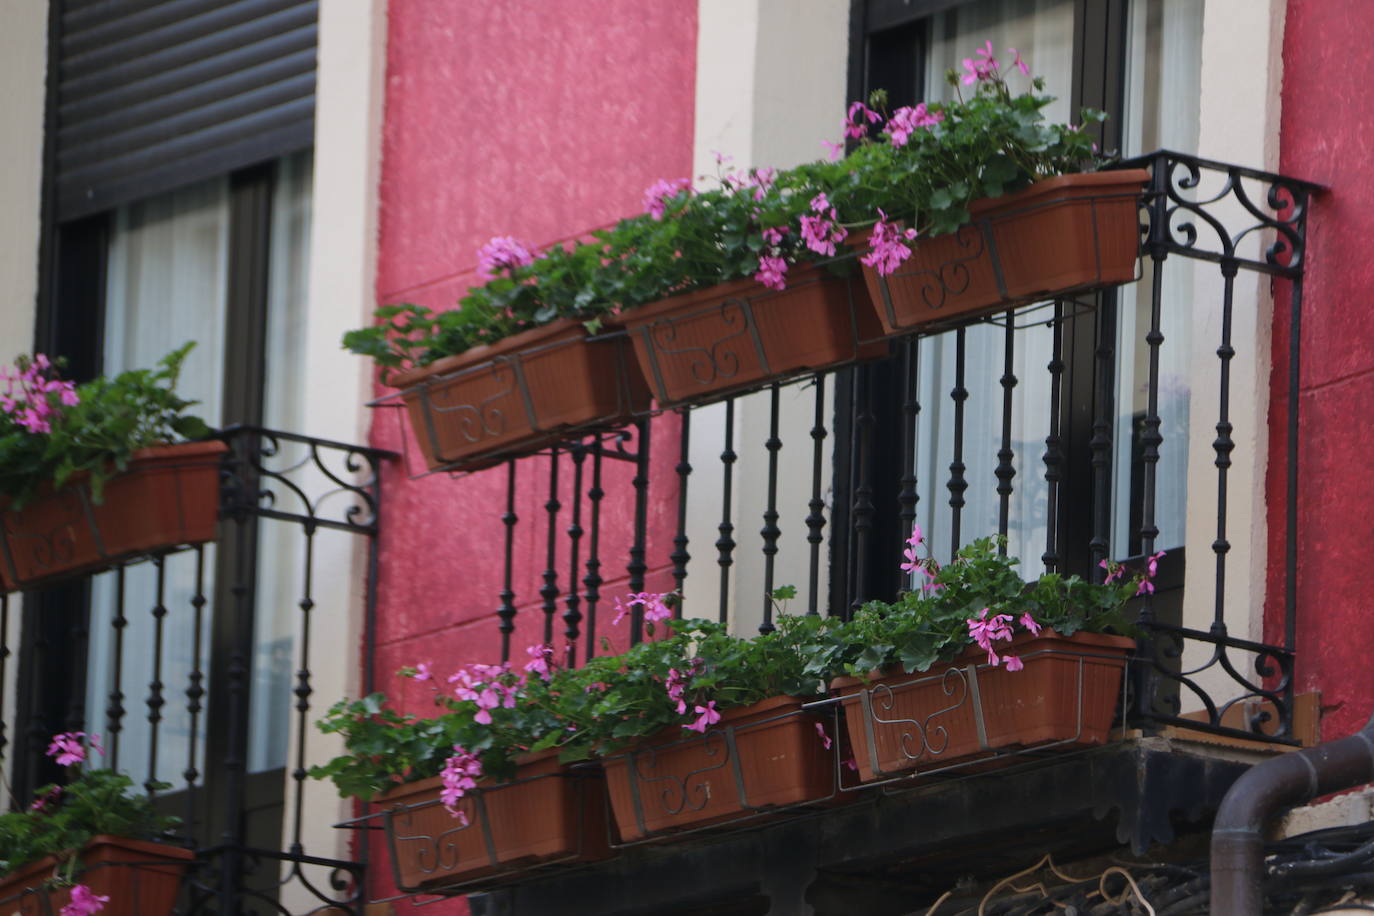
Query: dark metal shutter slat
[{"x": 153, "y": 96}]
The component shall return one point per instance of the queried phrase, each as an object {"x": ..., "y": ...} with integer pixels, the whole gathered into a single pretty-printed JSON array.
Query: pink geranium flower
[
  {"x": 657, "y": 195},
  {"x": 84, "y": 902},
  {"x": 906, "y": 121},
  {"x": 706, "y": 717},
  {"x": 825, "y": 739},
  {"x": 858, "y": 119},
  {"x": 887, "y": 246},
  {"x": 503, "y": 253}
]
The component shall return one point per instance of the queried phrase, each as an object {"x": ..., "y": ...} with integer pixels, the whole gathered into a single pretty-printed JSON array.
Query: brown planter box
[
  {"x": 757, "y": 757},
  {"x": 736, "y": 335},
  {"x": 900, "y": 722},
  {"x": 168, "y": 496},
  {"x": 140, "y": 878},
  {"x": 547, "y": 814},
  {"x": 1061, "y": 235},
  {"x": 519, "y": 393}
]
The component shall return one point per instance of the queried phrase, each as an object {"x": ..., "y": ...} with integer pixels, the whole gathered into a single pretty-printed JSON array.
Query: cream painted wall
[
  {"x": 770, "y": 86},
  {"x": 343, "y": 257},
  {"x": 23, "y": 65},
  {"x": 1239, "y": 123}
]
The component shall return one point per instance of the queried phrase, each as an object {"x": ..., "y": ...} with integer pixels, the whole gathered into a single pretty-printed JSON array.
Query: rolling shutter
[{"x": 154, "y": 95}]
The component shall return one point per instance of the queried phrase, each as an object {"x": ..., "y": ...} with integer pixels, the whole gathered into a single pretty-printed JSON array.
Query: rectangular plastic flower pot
[
  {"x": 1065, "y": 696},
  {"x": 520, "y": 393},
  {"x": 168, "y": 496},
  {"x": 140, "y": 878},
  {"x": 1062, "y": 235},
  {"x": 549, "y": 813},
  {"x": 757, "y": 758},
  {"x": 733, "y": 336}
]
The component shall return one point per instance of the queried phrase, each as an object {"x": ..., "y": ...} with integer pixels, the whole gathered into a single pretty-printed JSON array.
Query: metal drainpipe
[{"x": 1265, "y": 790}]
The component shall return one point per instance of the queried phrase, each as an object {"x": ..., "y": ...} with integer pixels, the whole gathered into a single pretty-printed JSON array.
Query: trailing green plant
[
  {"x": 51, "y": 430},
  {"x": 909, "y": 173},
  {"x": 64, "y": 817}
]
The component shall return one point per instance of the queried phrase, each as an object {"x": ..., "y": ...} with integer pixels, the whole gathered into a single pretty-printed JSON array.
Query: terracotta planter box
[
  {"x": 168, "y": 496},
  {"x": 140, "y": 878},
  {"x": 547, "y": 814},
  {"x": 519, "y": 393},
  {"x": 757, "y": 757},
  {"x": 737, "y": 335},
  {"x": 900, "y": 722},
  {"x": 1061, "y": 235}
]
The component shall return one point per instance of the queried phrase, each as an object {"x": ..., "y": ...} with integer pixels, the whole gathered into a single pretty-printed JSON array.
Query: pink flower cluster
[
  {"x": 987, "y": 630},
  {"x": 922, "y": 569},
  {"x": 484, "y": 685},
  {"x": 677, "y": 684},
  {"x": 857, "y": 120},
  {"x": 655, "y": 606},
  {"x": 31, "y": 397},
  {"x": 706, "y": 717},
  {"x": 69, "y": 748},
  {"x": 905, "y": 122},
  {"x": 541, "y": 661},
  {"x": 820, "y": 229},
  {"x": 887, "y": 246},
  {"x": 503, "y": 253},
  {"x": 1117, "y": 571},
  {"x": 460, "y": 773},
  {"x": 657, "y": 195},
  {"x": 84, "y": 902},
  {"x": 47, "y": 798}
]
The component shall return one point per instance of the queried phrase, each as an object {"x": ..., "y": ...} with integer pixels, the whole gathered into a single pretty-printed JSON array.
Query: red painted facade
[
  {"x": 1328, "y": 137},
  {"x": 511, "y": 119}
]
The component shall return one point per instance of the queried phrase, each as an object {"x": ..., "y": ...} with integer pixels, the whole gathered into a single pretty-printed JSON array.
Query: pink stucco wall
[
  {"x": 541, "y": 121},
  {"x": 1328, "y": 137}
]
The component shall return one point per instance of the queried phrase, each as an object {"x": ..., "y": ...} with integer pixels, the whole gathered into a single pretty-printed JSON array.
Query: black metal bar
[
  {"x": 4, "y": 660},
  {"x": 1223, "y": 444},
  {"x": 1151, "y": 438},
  {"x": 680, "y": 557},
  {"x": 957, "y": 484},
  {"x": 1054, "y": 443},
  {"x": 114, "y": 712},
  {"x": 195, "y": 691},
  {"x": 572, "y": 617},
  {"x": 815, "y": 519},
  {"x": 1101, "y": 443},
  {"x": 1006, "y": 469},
  {"x": 725, "y": 543},
  {"x": 78, "y": 644},
  {"x": 908, "y": 498},
  {"x": 155, "y": 700},
  {"x": 549, "y": 591},
  {"x": 506, "y": 613},
  {"x": 636, "y": 567},
  {"x": 770, "y": 531},
  {"x": 303, "y": 689},
  {"x": 861, "y": 515},
  {"x": 592, "y": 580}
]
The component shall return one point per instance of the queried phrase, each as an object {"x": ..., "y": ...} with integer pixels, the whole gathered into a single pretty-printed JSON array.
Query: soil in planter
[
  {"x": 549, "y": 813},
  {"x": 1061, "y": 235},
  {"x": 520, "y": 393},
  {"x": 928, "y": 721},
  {"x": 140, "y": 878},
  {"x": 168, "y": 496},
  {"x": 668, "y": 784},
  {"x": 736, "y": 335}
]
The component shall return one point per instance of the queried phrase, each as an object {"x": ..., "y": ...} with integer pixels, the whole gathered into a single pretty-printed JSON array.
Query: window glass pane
[
  {"x": 1163, "y": 86},
  {"x": 165, "y": 286}
]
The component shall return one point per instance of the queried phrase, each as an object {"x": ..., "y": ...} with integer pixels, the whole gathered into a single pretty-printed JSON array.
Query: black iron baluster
[
  {"x": 114, "y": 712},
  {"x": 725, "y": 543},
  {"x": 78, "y": 647},
  {"x": 636, "y": 567},
  {"x": 1100, "y": 444},
  {"x": 592, "y": 580},
  {"x": 907, "y": 498},
  {"x": 506, "y": 613},
  {"x": 549, "y": 591},
  {"x": 1223, "y": 444},
  {"x": 303, "y": 689},
  {"x": 4, "y": 659},
  {"x": 861, "y": 515},
  {"x": 770, "y": 531},
  {"x": 815, "y": 519},
  {"x": 680, "y": 557},
  {"x": 957, "y": 484},
  {"x": 1150, "y": 437},
  {"x": 1054, "y": 443},
  {"x": 155, "y": 700},
  {"x": 572, "y": 617},
  {"x": 195, "y": 692},
  {"x": 1006, "y": 469}
]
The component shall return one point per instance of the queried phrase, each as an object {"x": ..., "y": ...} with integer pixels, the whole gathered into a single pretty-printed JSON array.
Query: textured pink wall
[
  {"x": 539, "y": 120},
  {"x": 1328, "y": 137}
]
